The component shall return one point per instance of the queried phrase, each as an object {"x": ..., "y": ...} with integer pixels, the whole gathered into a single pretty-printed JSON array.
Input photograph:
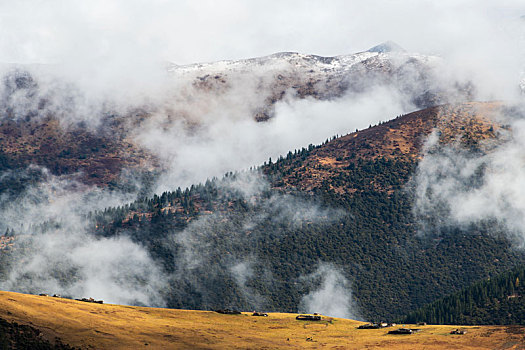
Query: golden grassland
[{"x": 96, "y": 326}]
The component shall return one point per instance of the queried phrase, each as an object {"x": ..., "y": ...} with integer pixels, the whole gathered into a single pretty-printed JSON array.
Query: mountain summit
[{"x": 387, "y": 46}]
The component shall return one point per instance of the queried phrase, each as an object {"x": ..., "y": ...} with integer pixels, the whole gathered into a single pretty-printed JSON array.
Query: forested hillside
[
  {"x": 498, "y": 300},
  {"x": 247, "y": 241},
  {"x": 372, "y": 237}
]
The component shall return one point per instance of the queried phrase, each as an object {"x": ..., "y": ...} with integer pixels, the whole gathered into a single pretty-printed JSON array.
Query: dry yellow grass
[{"x": 95, "y": 326}]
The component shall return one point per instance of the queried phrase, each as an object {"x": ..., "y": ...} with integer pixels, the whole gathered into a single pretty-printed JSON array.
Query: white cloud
[
  {"x": 458, "y": 187},
  {"x": 65, "y": 258},
  {"x": 333, "y": 297}
]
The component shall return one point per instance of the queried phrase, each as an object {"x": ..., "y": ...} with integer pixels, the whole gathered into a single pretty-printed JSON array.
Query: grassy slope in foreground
[{"x": 125, "y": 327}]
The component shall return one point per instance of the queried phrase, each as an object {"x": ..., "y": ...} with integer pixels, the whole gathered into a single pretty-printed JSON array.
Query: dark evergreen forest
[
  {"x": 370, "y": 234},
  {"x": 498, "y": 300}
]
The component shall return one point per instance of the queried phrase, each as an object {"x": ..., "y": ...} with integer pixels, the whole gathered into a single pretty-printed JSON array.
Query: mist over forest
[{"x": 280, "y": 157}]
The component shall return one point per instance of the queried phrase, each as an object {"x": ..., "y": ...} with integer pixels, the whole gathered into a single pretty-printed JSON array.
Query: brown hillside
[
  {"x": 400, "y": 139},
  {"x": 98, "y": 156},
  {"x": 95, "y": 326}
]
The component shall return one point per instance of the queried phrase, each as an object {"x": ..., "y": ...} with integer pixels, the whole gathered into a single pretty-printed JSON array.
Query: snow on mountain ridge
[
  {"x": 340, "y": 63},
  {"x": 412, "y": 75}
]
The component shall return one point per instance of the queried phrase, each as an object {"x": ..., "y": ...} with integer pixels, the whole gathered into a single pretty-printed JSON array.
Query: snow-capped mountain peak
[{"x": 388, "y": 46}]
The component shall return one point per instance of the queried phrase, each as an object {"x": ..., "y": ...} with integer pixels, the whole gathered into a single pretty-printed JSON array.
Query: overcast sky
[{"x": 205, "y": 30}]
